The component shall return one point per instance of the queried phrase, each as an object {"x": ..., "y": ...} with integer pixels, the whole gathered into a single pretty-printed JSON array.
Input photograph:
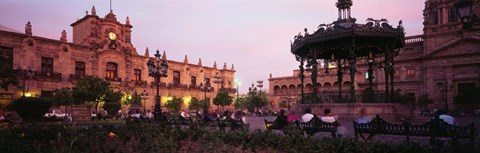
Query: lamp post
[
  {"x": 157, "y": 69},
  {"x": 260, "y": 84},
  {"x": 25, "y": 75},
  {"x": 465, "y": 13},
  {"x": 144, "y": 95},
  {"x": 237, "y": 82},
  {"x": 205, "y": 86},
  {"x": 445, "y": 88}
]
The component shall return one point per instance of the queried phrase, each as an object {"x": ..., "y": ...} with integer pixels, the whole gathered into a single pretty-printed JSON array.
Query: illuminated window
[
  {"x": 111, "y": 71},
  {"x": 410, "y": 73},
  {"x": 138, "y": 74}
]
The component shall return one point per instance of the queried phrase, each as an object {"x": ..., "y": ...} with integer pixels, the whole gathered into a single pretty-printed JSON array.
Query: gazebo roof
[{"x": 345, "y": 35}]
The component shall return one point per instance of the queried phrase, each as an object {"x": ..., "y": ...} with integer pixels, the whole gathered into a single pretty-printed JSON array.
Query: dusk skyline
[{"x": 253, "y": 35}]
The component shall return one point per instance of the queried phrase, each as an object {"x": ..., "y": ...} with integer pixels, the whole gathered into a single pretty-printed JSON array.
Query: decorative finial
[
  {"x": 64, "y": 36},
  {"x": 199, "y": 62},
  {"x": 28, "y": 29},
  {"x": 128, "y": 21},
  {"x": 215, "y": 64},
  {"x": 270, "y": 75},
  {"x": 86, "y": 13},
  {"x": 233, "y": 68},
  {"x": 94, "y": 11},
  {"x": 147, "y": 53},
  {"x": 225, "y": 65},
  {"x": 185, "y": 61},
  {"x": 164, "y": 56}
]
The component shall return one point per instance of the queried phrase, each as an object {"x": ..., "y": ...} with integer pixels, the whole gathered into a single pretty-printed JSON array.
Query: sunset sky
[{"x": 254, "y": 35}]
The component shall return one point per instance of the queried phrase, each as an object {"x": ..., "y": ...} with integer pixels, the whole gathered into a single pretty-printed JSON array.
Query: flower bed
[{"x": 158, "y": 138}]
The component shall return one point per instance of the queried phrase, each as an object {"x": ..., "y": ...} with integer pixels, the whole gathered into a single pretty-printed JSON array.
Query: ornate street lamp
[
  {"x": 260, "y": 84},
  {"x": 252, "y": 88},
  {"x": 25, "y": 75},
  {"x": 445, "y": 88},
  {"x": 157, "y": 69},
  {"x": 205, "y": 86},
  {"x": 465, "y": 13}
]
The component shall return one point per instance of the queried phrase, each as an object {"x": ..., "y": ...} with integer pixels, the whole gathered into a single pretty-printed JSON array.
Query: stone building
[
  {"x": 101, "y": 47},
  {"x": 443, "y": 62}
]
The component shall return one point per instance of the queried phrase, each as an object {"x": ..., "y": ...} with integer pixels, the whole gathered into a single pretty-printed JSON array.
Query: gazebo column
[
  {"x": 387, "y": 77},
  {"x": 302, "y": 77},
  {"x": 353, "y": 70},
  {"x": 314, "y": 75},
  {"x": 340, "y": 79},
  {"x": 392, "y": 73}
]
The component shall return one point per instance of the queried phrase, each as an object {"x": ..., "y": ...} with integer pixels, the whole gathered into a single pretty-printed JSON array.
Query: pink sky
[{"x": 252, "y": 34}]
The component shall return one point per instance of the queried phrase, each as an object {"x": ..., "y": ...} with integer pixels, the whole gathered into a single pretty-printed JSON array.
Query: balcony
[
  {"x": 140, "y": 83},
  {"x": 154, "y": 85},
  {"x": 178, "y": 86},
  {"x": 229, "y": 90},
  {"x": 75, "y": 77},
  {"x": 48, "y": 76},
  {"x": 116, "y": 79}
]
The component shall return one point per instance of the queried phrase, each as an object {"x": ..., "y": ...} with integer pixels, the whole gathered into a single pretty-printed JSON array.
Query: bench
[
  {"x": 434, "y": 129},
  {"x": 311, "y": 128},
  {"x": 233, "y": 124}
]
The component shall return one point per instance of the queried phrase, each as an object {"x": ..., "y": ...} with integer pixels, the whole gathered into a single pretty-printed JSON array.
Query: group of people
[{"x": 307, "y": 116}]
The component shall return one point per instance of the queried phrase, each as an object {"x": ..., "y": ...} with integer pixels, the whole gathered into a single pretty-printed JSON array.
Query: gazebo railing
[{"x": 331, "y": 97}]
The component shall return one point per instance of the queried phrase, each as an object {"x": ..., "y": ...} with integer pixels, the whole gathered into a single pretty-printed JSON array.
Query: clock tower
[{"x": 105, "y": 33}]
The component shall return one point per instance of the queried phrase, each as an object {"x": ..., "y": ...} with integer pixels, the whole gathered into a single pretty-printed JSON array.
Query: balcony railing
[
  {"x": 117, "y": 79},
  {"x": 48, "y": 76},
  {"x": 229, "y": 90},
  {"x": 154, "y": 85},
  {"x": 178, "y": 86},
  {"x": 74, "y": 77},
  {"x": 140, "y": 83}
]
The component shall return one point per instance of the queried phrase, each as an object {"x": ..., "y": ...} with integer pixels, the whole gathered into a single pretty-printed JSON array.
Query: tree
[
  {"x": 175, "y": 104},
  {"x": 90, "y": 89},
  {"x": 7, "y": 73},
  {"x": 112, "y": 102},
  {"x": 63, "y": 97},
  {"x": 31, "y": 108},
  {"x": 196, "y": 104},
  {"x": 223, "y": 99},
  {"x": 241, "y": 103},
  {"x": 256, "y": 100}
]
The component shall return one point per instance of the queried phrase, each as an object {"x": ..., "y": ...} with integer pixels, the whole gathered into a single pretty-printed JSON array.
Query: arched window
[
  {"x": 276, "y": 90},
  {"x": 111, "y": 71}
]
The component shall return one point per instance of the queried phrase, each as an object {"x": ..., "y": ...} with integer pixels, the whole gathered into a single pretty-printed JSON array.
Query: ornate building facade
[
  {"x": 102, "y": 47},
  {"x": 443, "y": 62}
]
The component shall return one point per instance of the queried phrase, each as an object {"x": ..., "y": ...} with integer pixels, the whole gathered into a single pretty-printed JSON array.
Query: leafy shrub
[
  {"x": 31, "y": 108},
  {"x": 112, "y": 102}
]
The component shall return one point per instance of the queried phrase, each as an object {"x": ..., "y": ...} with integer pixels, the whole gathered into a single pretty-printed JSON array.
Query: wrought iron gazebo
[{"x": 344, "y": 41}]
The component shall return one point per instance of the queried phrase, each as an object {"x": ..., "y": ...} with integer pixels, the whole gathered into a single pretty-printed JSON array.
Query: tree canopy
[
  {"x": 7, "y": 73},
  {"x": 175, "y": 104},
  {"x": 196, "y": 104},
  {"x": 223, "y": 99},
  {"x": 90, "y": 89}
]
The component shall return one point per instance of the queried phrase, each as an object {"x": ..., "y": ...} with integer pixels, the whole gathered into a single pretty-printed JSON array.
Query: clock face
[{"x": 112, "y": 36}]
